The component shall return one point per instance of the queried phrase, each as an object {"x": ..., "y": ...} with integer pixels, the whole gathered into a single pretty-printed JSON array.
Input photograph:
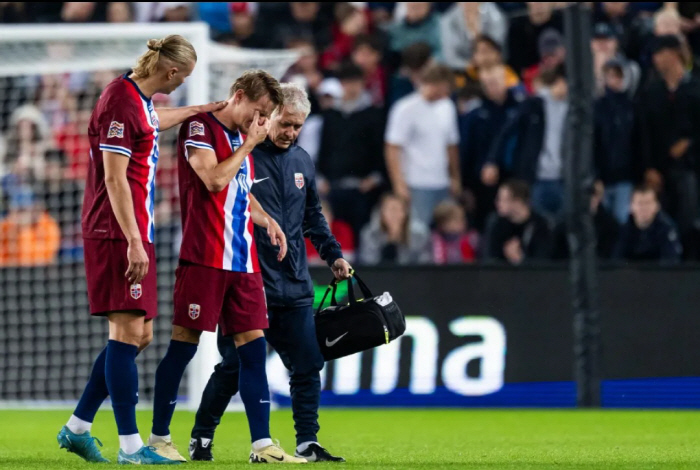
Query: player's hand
[
  {"x": 138, "y": 262},
  {"x": 277, "y": 237},
  {"x": 212, "y": 107},
  {"x": 258, "y": 132},
  {"x": 341, "y": 269}
]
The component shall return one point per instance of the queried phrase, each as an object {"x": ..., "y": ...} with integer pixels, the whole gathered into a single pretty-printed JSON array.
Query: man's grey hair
[{"x": 295, "y": 99}]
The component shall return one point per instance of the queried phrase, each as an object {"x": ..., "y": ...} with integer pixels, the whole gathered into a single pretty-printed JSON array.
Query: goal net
[{"x": 50, "y": 79}]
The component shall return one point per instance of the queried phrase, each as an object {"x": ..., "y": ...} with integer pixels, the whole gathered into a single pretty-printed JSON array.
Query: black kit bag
[{"x": 342, "y": 330}]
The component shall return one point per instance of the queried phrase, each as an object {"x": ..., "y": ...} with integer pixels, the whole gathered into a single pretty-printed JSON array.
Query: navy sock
[
  {"x": 122, "y": 380},
  {"x": 168, "y": 377},
  {"x": 253, "y": 388},
  {"x": 95, "y": 391}
]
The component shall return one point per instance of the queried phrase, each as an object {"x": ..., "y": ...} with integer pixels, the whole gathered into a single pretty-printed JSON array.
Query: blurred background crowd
[{"x": 437, "y": 129}]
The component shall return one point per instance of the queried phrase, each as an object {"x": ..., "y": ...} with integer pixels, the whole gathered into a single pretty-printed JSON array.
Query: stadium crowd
[{"x": 437, "y": 129}]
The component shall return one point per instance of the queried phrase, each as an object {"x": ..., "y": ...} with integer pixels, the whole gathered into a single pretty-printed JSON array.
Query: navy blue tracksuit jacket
[{"x": 285, "y": 186}]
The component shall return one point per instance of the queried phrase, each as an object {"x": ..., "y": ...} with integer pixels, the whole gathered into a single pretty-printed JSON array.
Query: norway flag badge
[
  {"x": 136, "y": 291},
  {"x": 194, "y": 311}
]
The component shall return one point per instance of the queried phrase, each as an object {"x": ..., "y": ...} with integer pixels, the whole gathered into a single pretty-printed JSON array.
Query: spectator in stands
[
  {"x": 63, "y": 199},
  {"x": 414, "y": 59},
  {"x": 393, "y": 236},
  {"x": 462, "y": 24},
  {"x": 614, "y": 149},
  {"x": 156, "y": 12},
  {"x": 453, "y": 243},
  {"x": 422, "y": 153},
  {"x": 351, "y": 150},
  {"x": 530, "y": 145},
  {"x": 606, "y": 229},
  {"x": 367, "y": 53},
  {"x": 13, "y": 12},
  {"x": 478, "y": 131},
  {"x": 27, "y": 141},
  {"x": 342, "y": 231},
  {"x": 239, "y": 20},
  {"x": 690, "y": 22},
  {"x": 278, "y": 23},
  {"x": 517, "y": 232},
  {"x": 524, "y": 33},
  {"x": 649, "y": 235},
  {"x": 419, "y": 25},
  {"x": 29, "y": 236},
  {"x": 552, "y": 54},
  {"x": 351, "y": 21},
  {"x": 623, "y": 22},
  {"x": 120, "y": 12},
  {"x": 605, "y": 47},
  {"x": 487, "y": 53},
  {"x": 670, "y": 125},
  {"x": 305, "y": 70}
]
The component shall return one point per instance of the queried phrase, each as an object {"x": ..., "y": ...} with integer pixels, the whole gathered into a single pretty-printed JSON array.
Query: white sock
[
  {"x": 262, "y": 443},
  {"x": 78, "y": 426},
  {"x": 157, "y": 439},
  {"x": 305, "y": 445},
  {"x": 130, "y": 444}
]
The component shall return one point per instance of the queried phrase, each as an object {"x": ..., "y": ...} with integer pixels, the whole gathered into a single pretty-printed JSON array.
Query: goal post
[{"x": 47, "y": 340}]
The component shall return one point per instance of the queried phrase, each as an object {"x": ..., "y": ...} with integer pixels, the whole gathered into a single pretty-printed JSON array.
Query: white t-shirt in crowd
[{"x": 423, "y": 129}]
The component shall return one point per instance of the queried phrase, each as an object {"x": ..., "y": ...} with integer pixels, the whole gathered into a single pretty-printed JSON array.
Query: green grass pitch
[{"x": 406, "y": 439}]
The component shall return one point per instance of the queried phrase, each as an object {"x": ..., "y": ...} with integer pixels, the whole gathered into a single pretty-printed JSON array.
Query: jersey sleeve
[
  {"x": 118, "y": 127},
  {"x": 197, "y": 134}
]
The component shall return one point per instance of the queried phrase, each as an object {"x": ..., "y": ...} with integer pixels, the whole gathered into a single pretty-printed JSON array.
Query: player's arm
[
  {"x": 119, "y": 193},
  {"x": 216, "y": 176},
  {"x": 274, "y": 231},
  {"x": 171, "y": 117},
  {"x": 316, "y": 228}
]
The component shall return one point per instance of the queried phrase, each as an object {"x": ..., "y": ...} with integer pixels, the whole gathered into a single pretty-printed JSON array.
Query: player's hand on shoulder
[
  {"x": 258, "y": 129},
  {"x": 138, "y": 262},
  {"x": 212, "y": 107}
]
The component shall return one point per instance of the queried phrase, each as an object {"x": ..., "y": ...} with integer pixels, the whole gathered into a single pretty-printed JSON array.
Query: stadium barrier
[{"x": 476, "y": 336}]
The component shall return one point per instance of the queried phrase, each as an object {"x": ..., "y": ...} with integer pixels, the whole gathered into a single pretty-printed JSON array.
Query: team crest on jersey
[
  {"x": 136, "y": 291},
  {"x": 154, "y": 119},
  {"x": 196, "y": 128},
  {"x": 116, "y": 129},
  {"x": 299, "y": 180},
  {"x": 194, "y": 311}
]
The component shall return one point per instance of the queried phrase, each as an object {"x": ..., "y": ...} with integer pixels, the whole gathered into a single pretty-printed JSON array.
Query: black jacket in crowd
[
  {"x": 352, "y": 145},
  {"x": 659, "y": 242},
  {"x": 667, "y": 117},
  {"x": 614, "y": 149},
  {"x": 517, "y": 148},
  {"x": 534, "y": 236},
  {"x": 606, "y": 229},
  {"x": 285, "y": 186},
  {"x": 478, "y": 131},
  {"x": 523, "y": 46}
]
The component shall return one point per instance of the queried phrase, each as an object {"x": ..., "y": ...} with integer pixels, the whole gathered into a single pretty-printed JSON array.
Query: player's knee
[
  {"x": 145, "y": 340},
  {"x": 186, "y": 335},
  {"x": 241, "y": 339}
]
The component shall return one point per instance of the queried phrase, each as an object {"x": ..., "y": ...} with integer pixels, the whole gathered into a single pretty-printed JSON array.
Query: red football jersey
[
  {"x": 124, "y": 121},
  {"x": 217, "y": 229}
]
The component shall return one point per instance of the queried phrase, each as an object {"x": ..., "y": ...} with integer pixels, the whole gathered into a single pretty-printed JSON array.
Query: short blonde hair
[
  {"x": 173, "y": 49},
  {"x": 257, "y": 83}
]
